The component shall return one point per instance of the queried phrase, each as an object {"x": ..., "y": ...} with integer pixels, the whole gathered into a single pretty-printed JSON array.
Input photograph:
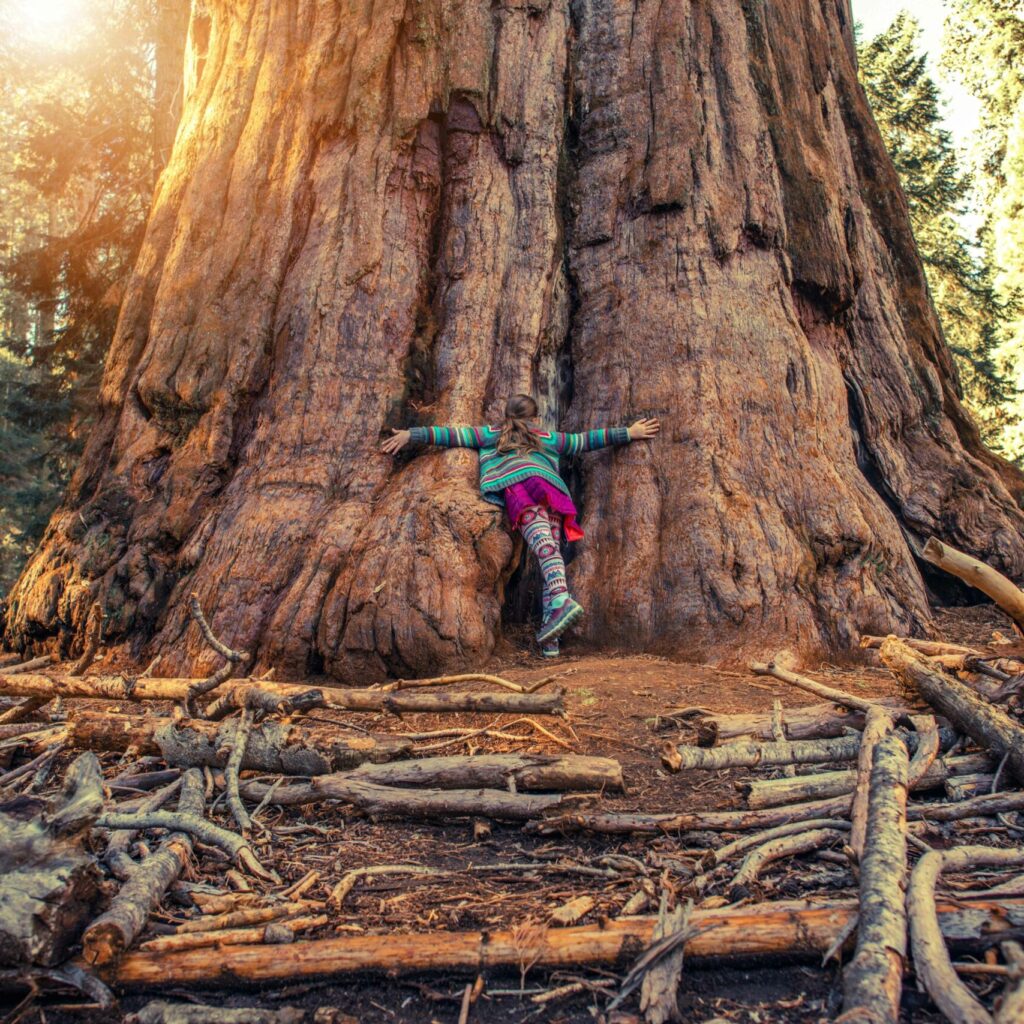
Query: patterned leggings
[{"x": 542, "y": 531}]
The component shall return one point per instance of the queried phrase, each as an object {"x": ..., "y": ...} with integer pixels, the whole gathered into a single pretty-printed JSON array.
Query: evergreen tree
[
  {"x": 975, "y": 319},
  {"x": 983, "y": 47},
  {"x": 85, "y": 139}
]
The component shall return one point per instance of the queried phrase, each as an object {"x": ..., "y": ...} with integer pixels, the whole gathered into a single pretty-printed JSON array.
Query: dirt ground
[{"x": 616, "y": 709}]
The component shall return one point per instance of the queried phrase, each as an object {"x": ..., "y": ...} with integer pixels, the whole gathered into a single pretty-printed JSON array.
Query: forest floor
[{"x": 614, "y": 704}]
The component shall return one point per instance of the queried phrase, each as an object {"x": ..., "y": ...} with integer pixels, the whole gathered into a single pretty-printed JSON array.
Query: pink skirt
[{"x": 535, "y": 490}]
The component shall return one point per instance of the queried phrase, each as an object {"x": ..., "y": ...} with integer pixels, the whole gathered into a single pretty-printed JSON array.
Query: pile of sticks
[{"x": 853, "y": 819}]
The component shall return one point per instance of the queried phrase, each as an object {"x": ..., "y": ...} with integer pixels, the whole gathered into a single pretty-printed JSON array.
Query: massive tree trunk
[{"x": 395, "y": 213}]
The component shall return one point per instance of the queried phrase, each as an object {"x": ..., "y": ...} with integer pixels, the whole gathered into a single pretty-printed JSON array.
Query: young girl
[{"x": 519, "y": 469}]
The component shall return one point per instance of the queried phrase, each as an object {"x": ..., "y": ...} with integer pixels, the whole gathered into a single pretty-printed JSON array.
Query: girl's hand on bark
[
  {"x": 396, "y": 442},
  {"x": 644, "y": 429}
]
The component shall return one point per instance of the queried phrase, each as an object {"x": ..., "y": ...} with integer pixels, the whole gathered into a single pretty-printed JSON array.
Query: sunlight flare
[{"x": 47, "y": 21}]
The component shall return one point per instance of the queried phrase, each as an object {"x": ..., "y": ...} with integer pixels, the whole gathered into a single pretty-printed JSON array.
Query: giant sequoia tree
[{"x": 388, "y": 213}]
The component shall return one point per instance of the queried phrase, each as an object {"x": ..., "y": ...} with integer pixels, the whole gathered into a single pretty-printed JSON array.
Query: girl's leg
[
  {"x": 552, "y": 648},
  {"x": 536, "y": 529}
]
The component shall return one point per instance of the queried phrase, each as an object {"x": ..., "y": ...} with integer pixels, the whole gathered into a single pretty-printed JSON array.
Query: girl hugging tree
[{"x": 519, "y": 469}]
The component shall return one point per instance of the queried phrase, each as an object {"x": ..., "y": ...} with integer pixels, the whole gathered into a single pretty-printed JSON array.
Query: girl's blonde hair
[{"x": 516, "y": 433}]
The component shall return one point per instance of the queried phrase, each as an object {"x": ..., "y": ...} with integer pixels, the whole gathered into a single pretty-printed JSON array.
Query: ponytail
[{"x": 516, "y": 433}]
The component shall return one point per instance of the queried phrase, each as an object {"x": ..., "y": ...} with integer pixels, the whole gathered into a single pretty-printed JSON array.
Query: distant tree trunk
[
  {"x": 171, "y": 25},
  {"x": 384, "y": 214}
]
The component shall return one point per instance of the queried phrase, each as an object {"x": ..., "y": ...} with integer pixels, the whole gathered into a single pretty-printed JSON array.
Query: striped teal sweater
[{"x": 500, "y": 470}]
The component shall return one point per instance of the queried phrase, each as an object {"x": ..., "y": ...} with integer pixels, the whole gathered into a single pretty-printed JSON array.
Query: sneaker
[
  {"x": 550, "y": 648},
  {"x": 561, "y": 619}
]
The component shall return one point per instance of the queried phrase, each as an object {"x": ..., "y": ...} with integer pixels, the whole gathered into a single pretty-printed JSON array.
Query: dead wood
[
  {"x": 117, "y": 847},
  {"x": 931, "y": 959},
  {"x": 199, "y": 828},
  {"x": 238, "y": 744},
  {"x": 114, "y": 931},
  {"x": 291, "y": 749},
  {"x": 141, "y": 689},
  {"x": 929, "y": 647},
  {"x": 387, "y": 801},
  {"x": 246, "y": 916},
  {"x": 976, "y": 807},
  {"x": 926, "y": 729},
  {"x": 254, "y": 697},
  {"x": 778, "y": 848},
  {"x": 712, "y": 858},
  {"x": 777, "y": 792},
  {"x": 873, "y": 980},
  {"x": 790, "y": 928},
  {"x": 816, "y": 721},
  {"x": 232, "y": 660},
  {"x": 539, "y": 772},
  {"x": 682, "y": 757},
  {"x": 695, "y": 821},
  {"x": 847, "y": 700},
  {"x": 971, "y": 570},
  {"x": 877, "y": 725},
  {"x": 19, "y": 712},
  {"x": 660, "y": 985},
  {"x": 1010, "y": 1009},
  {"x": 160, "y": 1012},
  {"x": 31, "y": 665},
  {"x": 985, "y": 724},
  {"x": 48, "y": 884},
  {"x": 238, "y": 936}
]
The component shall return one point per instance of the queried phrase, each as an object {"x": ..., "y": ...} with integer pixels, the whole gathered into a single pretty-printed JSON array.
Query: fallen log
[
  {"x": 290, "y": 749},
  {"x": 712, "y": 858},
  {"x": 695, "y": 821},
  {"x": 538, "y": 772},
  {"x": 48, "y": 884},
  {"x": 813, "y": 722},
  {"x": 873, "y": 980},
  {"x": 776, "y": 849},
  {"x": 19, "y": 712},
  {"x": 159, "y": 1012},
  {"x": 116, "y": 929},
  {"x": 976, "y": 807},
  {"x": 141, "y": 689},
  {"x": 783, "y": 928},
  {"x": 877, "y": 725},
  {"x": 683, "y": 757},
  {"x": 847, "y": 700},
  {"x": 386, "y": 801},
  {"x": 931, "y": 960},
  {"x": 972, "y": 571},
  {"x": 237, "y": 848},
  {"x": 234, "y": 936},
  {"x": 776, "y": 792},
  {"x": 1011, "y": 1006},
  {"x": 985, "y": 724},
  {"x": 929, "y": 647}
]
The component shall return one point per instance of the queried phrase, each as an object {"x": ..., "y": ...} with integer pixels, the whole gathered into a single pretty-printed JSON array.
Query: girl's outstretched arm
[
  {"x": 571, "y": 444},
  {"x": 448, "y": 437}
]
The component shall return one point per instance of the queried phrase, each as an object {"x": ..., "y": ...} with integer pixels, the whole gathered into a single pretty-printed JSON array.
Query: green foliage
[
  {"x": 82, "y": 130},
  {"x": 984, "y": 49},
  {"x": 976, "y": 319}
]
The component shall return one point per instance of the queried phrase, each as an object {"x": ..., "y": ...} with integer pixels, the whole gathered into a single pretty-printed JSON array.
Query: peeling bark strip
[
  {"x": 986, "y": 725},
  {"x": 272, "y": 746},
  {"x": 873, "y": 980},
  {"x": 449, "y": 203},
  {"x": 793, "y": 928},
  {"x": 120, "y": 688}
]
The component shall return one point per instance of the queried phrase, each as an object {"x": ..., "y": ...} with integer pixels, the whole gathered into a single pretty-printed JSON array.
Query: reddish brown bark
[{"x": 375, "y": 216}]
